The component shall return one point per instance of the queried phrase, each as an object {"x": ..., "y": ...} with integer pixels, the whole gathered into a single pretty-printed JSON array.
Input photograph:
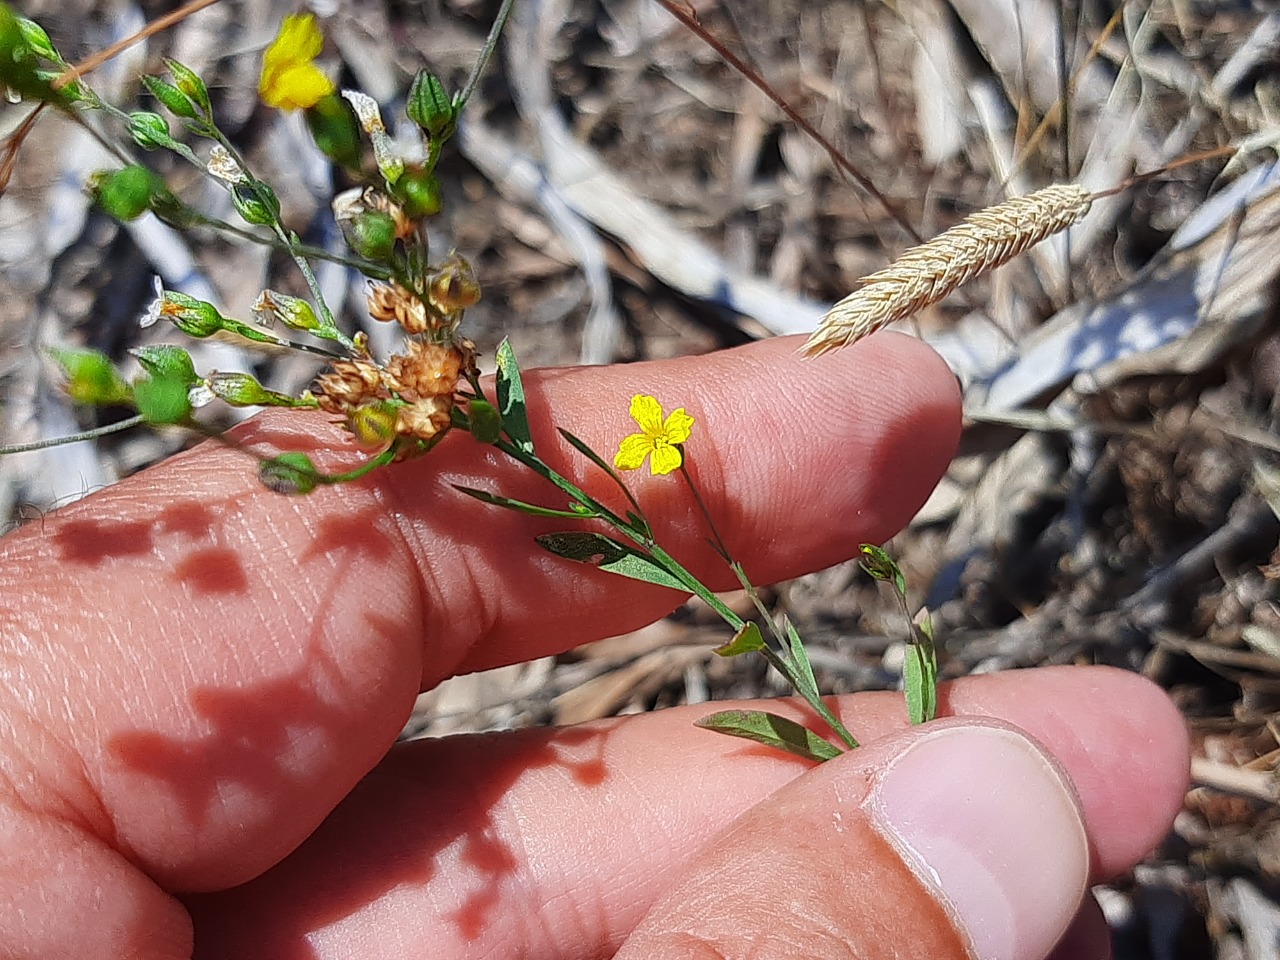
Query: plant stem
[
  {"x": 486, "y": 53},
  {"x": 74, "y": 438}
]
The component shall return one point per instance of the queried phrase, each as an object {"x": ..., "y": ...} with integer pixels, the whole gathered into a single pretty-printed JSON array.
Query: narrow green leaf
[
  {"x": 772, "y": 731},
  {"x": 581, "y": 446},
  {"x": 597, "y": 550},
  {"x": 920, "y": 672},
  {"x": 519, "y": 506},
  {"x": 746, "y": 640},
  {"x": 511, "y": 403},
  {"x": 798, "y": 659}
]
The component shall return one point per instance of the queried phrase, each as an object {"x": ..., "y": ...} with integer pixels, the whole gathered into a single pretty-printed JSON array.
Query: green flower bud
[
  {"x": 19, "y": 62},
  {"x": 149, "y": 130},
  {"x": 177, "y": 102},
  {"x": 162, "y": 400},
  {"x": 294, "y": 312},
  {"x": 195, "y": 318},
  {"x": 242, "y": 390},
  {"x": 91, "y": 377},
  {"x": 486, "y": 422},
  {"x": 373, "y": 235},
  {"x": 430, "y": 107},
  {"x": 164, "y": 360},
  {"x": 335, "y": 130},
  {"x": 190, "y": 84},
  {"x": 454, "y": 286},
  {"x": 373, "y": 425},
  {"x": 289, "y": 473},
  {"x": 255, "y": 202},
  {"x": 36, "y": 39},
  {"x": 418, "y": 192},
  {"x": 126, "y": 193}
]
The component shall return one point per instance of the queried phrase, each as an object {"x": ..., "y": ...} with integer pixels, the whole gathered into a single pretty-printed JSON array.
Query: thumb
[{"x": 959, "y": 839}]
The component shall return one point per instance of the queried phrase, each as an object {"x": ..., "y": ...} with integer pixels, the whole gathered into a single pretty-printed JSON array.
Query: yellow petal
[
  {"x": 678, "y": 426},
  {"x": 632, "y": 451},
  {"x": 665, "y": 459},
  {"x": 295, "y": 46},
  {"x": 647, "y": 412},
  {"x": 300, "y": 38},
  {"x": 298, "y": 86}
]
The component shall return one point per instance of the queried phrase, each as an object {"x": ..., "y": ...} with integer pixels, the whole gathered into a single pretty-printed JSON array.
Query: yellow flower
[
  {"x": 290, "y": 79},
  {"x": 658, "y": 439}
]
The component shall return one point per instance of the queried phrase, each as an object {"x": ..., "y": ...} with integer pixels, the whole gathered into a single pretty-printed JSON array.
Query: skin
[{"x": 202, "y": 683}]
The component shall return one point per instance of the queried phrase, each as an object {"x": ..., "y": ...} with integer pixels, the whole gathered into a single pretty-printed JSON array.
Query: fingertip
[
  {"x": 1118, "y": 735},
  {"x": 954, "y": 840}
]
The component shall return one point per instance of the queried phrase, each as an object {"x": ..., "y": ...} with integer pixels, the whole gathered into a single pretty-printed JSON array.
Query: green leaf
[
  {"x": 920, "y": 671},
  {"x": 511, "y": 403},
  {"x": 772, "y": 731},
  {"x": 597, "y": 550},
  {"x": 920, "y": 680},
  {"x": 637, "y": 520},
  {"x": 746, "y": 640},
  {"x": 532, "y": 509},
  {"x": 798, "y": 659}
]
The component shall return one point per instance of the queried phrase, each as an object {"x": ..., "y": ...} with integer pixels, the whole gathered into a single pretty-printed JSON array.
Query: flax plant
[{"x": 400, "y": 406}]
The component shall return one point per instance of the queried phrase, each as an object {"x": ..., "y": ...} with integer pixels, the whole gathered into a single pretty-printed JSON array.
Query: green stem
[
  {"x": 381, "y": 460},
  {"x": 486, "y": 53},
  {"x": 291, "y": 241},
  {"x": 75, "y": 437},
  {"x": 641, "y": 538}
]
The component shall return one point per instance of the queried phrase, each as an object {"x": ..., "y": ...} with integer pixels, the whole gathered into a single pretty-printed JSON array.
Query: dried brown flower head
[
  {"x": 391, "y": 302},
  {"x": 425, "y": 370},
  {"x": 347, "y": 384}
]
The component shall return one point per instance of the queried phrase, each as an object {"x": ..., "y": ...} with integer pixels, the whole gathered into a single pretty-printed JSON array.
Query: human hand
[{"x": 198, "y": 672}]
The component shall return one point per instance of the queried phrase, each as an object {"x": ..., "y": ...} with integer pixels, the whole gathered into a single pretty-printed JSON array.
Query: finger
[
  {"x": 961, "y": 839},
  {"x": 479, "y": 846},
  {"x": 204, "y": 668}
]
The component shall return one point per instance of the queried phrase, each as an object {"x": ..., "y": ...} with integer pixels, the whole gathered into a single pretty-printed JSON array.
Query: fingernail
[{"x": 983, "y": 816}]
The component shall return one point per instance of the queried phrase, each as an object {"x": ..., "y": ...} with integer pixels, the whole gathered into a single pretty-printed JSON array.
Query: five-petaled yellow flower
[
  {"x": 658, "y": 439},
  {"x": 290, "y": 79}
]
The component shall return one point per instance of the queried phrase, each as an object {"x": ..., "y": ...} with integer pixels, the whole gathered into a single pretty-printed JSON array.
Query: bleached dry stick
[{"x": 927, "y": 273}]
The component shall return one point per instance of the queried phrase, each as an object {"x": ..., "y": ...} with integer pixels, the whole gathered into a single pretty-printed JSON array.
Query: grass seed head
[{"x": 926, "y": 274}]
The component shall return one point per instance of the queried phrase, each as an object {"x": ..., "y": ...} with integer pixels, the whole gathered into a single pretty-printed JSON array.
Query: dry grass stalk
[{"x": 927, "y": 273}]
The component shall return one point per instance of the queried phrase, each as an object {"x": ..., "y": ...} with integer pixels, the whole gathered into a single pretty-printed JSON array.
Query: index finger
[{"x": 224, "y": 664}]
